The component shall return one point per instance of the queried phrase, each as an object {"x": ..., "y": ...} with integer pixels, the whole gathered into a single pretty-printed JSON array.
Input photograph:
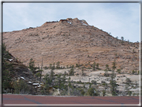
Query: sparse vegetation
[
  {"x": 97, "y": 66},
  {"x": 32, "y": 65},
  {"x": 77, "y": 65},
  {"x": 91, "y": 92},
  {"x": 122, "y": 38},
  {"x": 112, "y": 81},
  {"x": 119, "y": 71},
  {"x": 45, "y": 67},
  {"x": 89, "y": 75},
  {"x": 94, "y": 66},
  {"x": 71, "y": 72},
  {"x": 7, "y": 69},
  {"x": 58, "y": 65},
  {"x": 21, "y": 87},
  {"x": 104, "y": 92}
]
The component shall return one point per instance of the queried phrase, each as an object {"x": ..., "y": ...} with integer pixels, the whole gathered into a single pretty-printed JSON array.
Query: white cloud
[{"x": 121, "y": 19}]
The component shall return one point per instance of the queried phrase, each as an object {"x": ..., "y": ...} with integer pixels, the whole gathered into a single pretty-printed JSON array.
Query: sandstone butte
[{"x": 71, "y": 41}]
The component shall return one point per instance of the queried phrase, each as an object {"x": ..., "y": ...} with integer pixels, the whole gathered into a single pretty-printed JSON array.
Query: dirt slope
[{"x": 71, "y": 41}]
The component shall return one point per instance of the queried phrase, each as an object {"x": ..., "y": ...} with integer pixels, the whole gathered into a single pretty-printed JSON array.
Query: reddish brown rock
[{"x": 71, "y": 41}]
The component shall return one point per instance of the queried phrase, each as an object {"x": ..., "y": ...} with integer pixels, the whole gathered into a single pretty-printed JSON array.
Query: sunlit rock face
[{"x": 71, "y": 41}]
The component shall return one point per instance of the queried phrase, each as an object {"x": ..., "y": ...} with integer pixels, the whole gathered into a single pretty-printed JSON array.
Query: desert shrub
[
  {"x": 45, "y": 67},
  {"x": 71, "y": 72},
  {"x": 113, "y": 87},
  {"x": 133, "y": 72},
  {"x": 104, "y": 92},
  {"x": 7, "y": 69},
  {"x": 75, "y": 92},
  {"x": 94, "y": 66},
  {"x": 128, "y": 81},
  {"x": 134, "y": 94},
  {"x": 119, "y": 71},
  {"x": 90, "y": 92},
  {"x": 38, "y": 74},
  {"x": 129, "y": 93},
  {"x": 77, "y": 65},
  {"x": 6, "y": 79},
  {"x": 97, "y": 66},
  {"x": 5, "y": 53},
  {"x": 64, "y": 92},
  {"x": 32, "y": 65},
  {"x": 21, "y": 87},
  {"x": 58, "y": 65}
]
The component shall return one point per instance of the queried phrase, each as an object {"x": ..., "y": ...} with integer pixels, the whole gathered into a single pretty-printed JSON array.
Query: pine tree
[
  {"x": 71, "y": 72},
  {"x": 53, "y": 67},
  {"x": 94, "y": 66},
  {"x": 112, "y": 81},
  {"x": 122, "y": 38},
  {"x": 97, "y": 66},
  {"x": 7, "y": 69},
  {"x": 82, "y": 71},
  {"x": 107, "y": 67},
  {"x": 52, "y": 74},
  {"x": 59, "y": 80},
  {"x": 32, "y": 65},
  {"x": 58, "y": 65},
  {"x": 50, "y": 66}
]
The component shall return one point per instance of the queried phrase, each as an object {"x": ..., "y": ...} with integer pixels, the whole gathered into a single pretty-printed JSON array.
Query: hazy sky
[{"x": 119, "y": 19}]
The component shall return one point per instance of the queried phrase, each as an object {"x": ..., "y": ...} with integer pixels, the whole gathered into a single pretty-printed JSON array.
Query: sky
[{"x": 118, "y": 19}]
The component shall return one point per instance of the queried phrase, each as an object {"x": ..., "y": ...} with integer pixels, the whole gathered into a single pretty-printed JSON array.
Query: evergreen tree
[
  {"x": 106, "y": 70},
  {"x": 47, "y": 83},
  {"x": 50, "y": 66},
  {"x": 32, "y": 65},
  {"x": 71, "y": 72},
  {"x": 113, "y": 87},
  {"x": 52, "y": 74},
  {"x": 77, "y": 65},
  {"x": 128, "y": 82},
  {"x": 122, "y": 38},
  {"x": 97, "y": 66},
  {"x": 7, "y": 69},
  {"x": 40, "y": 70},
  {"x": 112, "y": 81},
  {"x": 82, "y": 71},
  {"x": 104, "y": 92},
  {"x": 114, "y": 65},
  {"x": 107, "y": 67},
  {"x": 58, "y": 65},
  {"x": 59, "y": 80},
  {"x": 94, "y": 66},
  {"x": 5, "y": 53},
  {"x": 91, "y": 92},
  {"x": 53, "y": 67},
  {"x": 64, "y": 77}
]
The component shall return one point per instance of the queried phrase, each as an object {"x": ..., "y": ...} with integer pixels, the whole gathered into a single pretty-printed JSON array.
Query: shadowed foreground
[{"x": 37, "y": 100}]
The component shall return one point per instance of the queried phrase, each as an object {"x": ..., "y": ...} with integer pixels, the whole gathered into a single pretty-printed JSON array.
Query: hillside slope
[{"x": 71, "y": 41}]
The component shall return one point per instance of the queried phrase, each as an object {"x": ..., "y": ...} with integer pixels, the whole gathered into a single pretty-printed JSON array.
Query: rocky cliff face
[{"x": 71, "y": 41}]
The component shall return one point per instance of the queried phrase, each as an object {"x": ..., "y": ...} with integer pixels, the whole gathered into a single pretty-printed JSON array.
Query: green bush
[
  {"x": 71, "y": 72},
  {"x": 38, "y": 74},
  {"x": 58, "y": 65},
  {"x": 90, "y": 92},
  {"x": 7, "y": 69},
  {"x": 32, "y": 65},
  {"x": 94, "y": 66},
  {"x": 45, "y": 67},
  {"x": 21, "y": 87},
  {"x": 129, "y": 93},
  {"x": 104, "y": 92}
]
